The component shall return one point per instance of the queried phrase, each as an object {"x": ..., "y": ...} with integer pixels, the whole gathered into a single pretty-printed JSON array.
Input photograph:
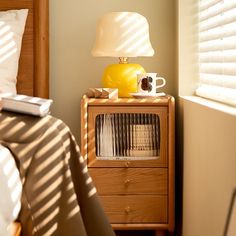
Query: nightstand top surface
[{"x": 164, "y": 100}]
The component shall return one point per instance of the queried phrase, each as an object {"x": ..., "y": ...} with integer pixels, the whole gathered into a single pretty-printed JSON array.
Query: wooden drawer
[
  {"x": 135, "y": 208},
  {"x": 110, "y": 181}
]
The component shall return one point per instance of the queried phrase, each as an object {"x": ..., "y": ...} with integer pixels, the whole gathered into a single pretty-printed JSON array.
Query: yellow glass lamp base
[{"x": 123, "y": 77}]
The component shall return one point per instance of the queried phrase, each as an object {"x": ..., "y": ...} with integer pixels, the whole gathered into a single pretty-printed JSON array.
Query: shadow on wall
[{"x": 179, "y": 167}]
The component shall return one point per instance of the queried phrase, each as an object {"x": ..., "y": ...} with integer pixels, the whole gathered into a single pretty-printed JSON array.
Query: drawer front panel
[
  {"x": 110, "y": 181},
  {"x": 135, "y": 209}
]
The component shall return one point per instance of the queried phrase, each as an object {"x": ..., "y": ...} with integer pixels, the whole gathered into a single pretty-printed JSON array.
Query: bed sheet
[{"x": 10, "y": 190}]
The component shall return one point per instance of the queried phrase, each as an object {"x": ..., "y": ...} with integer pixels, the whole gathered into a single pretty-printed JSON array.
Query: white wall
[
  {"x": 208, "y": 137},
  {"x": 209, "y": 169},
  {"x": 72, "y": 32}
]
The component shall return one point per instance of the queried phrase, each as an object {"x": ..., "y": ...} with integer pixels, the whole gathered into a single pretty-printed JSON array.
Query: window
[{"x": 217, "y": 50}]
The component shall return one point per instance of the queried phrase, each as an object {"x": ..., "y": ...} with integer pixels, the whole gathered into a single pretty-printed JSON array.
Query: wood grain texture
[
  {"x": 140, "y": 226},
  {"x": 33, "y": 73},
  {"x": 130, "y": 101},
  {"x": 84, "y": 127},
  {"x": 130, "y": 180},
  {"x": 41, "y": 48},
  {"x": 135, "y": 208}
]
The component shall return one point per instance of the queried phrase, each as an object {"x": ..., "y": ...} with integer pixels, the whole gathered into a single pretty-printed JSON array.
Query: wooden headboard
[{"x": 34, "y": 60}]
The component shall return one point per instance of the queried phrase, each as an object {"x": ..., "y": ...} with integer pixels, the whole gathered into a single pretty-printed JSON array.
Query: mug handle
[{"x": 160, "y": 85}]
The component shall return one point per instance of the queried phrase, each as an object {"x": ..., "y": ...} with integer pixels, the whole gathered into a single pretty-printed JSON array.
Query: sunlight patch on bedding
[
  {"x": 6, "y": 121},
  {"x": 16, "y": 209},
  {"x": 16, "y": 192},
  {"x": 85, "y": 170},
  {"x": 15, "y": 145},
  {"x": 30, "y": 147},
  {"x": 69, "y": 186},
  {"x": 66, "y": 144},
  {"x": 46, "y": 192},
  {"x": 7, "y": 55},
  {"x": 72, "y": 198},
  {"x": 74, "y": 211},
  {"x": 88, "y": 180},
  {"x": 81, "y": 159},
  {"x": 49, "y": 218},
  {"x": 26, "y": 163},
  {"x": 54, "y": 171},
  {"x": 48, "y": 147},
  {"x": 3, "y": 152},
  {"x": 8, "y": 167},
  {"x": 77, "y": 149},
  {"x": 27, "y": 149},
  {"x": 12, "y": 180},
  {"x": 8, "y": 46},
  {"x": 48, "y": 161},
  {"x": 55, "y": 125},
  {"x": 4, "y": 28},
  {"x": 68, "y": 174},
  {"x": 16, "y": 128},
  {"x": 7, "y": 42},
  {"x": 64, "y": 131},
  {"x": 92, "y": 192},
  {"x": 52, "y": 229},
  {"x": 12, "y": 188},
  {"x": 35, "y": 128},
  {"x": 49, "y": 204}
]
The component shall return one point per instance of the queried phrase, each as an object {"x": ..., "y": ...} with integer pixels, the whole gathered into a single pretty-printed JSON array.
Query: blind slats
[
  {"x": 218, "y": 56},
  {"x": 218, "y": 68},
  {"x": 227, "y": 43},
  {"x": 218, "y": 80},
  {"x": 219, "y": 20},
  {"x": 225, "y": 95},
  {"x": 218, "y": 32},
  {"x": 217, "y": 9},
  {"x": 207, "y": 4},
  {"x": 217, "y": 50}
]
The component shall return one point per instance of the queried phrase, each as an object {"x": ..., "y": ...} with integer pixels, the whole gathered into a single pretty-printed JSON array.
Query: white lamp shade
[{"x": 122, "y": 34}]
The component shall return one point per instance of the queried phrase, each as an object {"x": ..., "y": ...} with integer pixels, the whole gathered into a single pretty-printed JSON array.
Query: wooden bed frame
[
  {"x": 33, "y": 74},
  {"x": 34, "y": 60}
]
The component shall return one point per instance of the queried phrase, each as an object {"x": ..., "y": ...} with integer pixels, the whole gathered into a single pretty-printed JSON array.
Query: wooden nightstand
[{"x": 129, "y": 147}]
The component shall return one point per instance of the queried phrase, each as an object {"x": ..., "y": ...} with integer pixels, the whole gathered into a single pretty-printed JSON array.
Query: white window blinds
[{"x": 217, "y": 50}]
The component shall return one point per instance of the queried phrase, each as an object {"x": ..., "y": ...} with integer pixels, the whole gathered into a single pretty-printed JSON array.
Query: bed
[
  {"x": 32, "y": 78},
  {"x": 58, "y": 196}
]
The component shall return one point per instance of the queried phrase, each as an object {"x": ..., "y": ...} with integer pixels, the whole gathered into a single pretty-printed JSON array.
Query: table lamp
[{"x": 122, "y": 35}]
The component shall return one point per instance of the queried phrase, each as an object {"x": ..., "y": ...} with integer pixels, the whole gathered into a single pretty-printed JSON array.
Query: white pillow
[{"x": 12, "y": 25}]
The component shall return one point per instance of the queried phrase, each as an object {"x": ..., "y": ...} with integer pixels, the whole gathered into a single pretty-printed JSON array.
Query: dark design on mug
[{"x": 146, "y": 84}]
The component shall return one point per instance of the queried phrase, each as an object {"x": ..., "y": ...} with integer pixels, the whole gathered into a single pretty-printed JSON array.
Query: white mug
[{"x": 148, "y": 83}]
